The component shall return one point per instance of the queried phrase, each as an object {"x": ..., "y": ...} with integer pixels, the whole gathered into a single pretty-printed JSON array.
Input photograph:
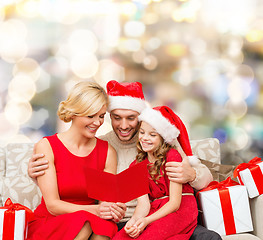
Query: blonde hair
[
  {"x": 156, "y": 169},
  {"x": 86, "y": 98}
]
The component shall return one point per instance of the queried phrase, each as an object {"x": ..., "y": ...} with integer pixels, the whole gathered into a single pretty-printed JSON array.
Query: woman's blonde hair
[
  {"x": 86, "y": 98},
  {"x": 156, "y": 169}
]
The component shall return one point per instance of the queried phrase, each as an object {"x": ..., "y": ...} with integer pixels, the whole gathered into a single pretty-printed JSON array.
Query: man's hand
[
  {"x": 118, "y": 211},
  {"x": 180, "y": 172},
  {"x": 37, "y": 167}
]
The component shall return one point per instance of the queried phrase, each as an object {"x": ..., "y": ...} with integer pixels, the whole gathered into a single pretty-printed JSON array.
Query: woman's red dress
[
  {"x": 72, "y": 188},
  {"x": 178, "y": 225}
]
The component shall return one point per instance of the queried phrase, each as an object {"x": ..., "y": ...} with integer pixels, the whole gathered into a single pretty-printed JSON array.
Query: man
[{"x": 126, "y": 103}]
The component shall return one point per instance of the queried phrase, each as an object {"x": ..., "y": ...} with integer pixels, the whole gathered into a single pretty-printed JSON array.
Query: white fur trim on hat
[
  {"x": 193, "y": 160},
  {"x": 126, "y": 102},
  {"x": 167, "y": 130}
]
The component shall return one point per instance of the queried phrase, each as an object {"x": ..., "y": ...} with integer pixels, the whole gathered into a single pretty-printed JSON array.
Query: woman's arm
[
  {"x": 49, "y": 189},
  {"x": 111, "y": 160}
]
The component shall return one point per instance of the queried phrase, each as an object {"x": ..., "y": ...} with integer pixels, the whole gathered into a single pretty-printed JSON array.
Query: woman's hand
[
  {"x": 104, "y": 211},
  {"x": 112, "y": 211},
  {"x": 118, "y": 211}
]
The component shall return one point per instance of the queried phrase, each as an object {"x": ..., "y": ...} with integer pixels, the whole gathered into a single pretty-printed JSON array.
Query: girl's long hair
[{"x": 156, "y": 169}]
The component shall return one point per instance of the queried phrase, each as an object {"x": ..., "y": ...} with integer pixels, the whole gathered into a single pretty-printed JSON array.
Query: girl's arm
[
  {"x": 142, "y": 209},
  {"x": 175, "y": 196},
  {"x": 49, "y": 189}
]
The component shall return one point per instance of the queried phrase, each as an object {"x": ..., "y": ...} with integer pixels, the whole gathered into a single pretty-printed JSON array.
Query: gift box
[
  {"x": 251, "y": 175},
  {"x": 225, "y": 207},
  {"x": 14, "y": 218}
]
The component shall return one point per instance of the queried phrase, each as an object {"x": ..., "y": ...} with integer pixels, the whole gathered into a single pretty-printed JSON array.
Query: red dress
[
  {"x": 72, "y": 188},
  {"x": 178, "y": 225}
]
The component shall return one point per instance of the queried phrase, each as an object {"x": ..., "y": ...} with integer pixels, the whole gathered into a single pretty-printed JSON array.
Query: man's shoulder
[{"x": 106, "y": 137}]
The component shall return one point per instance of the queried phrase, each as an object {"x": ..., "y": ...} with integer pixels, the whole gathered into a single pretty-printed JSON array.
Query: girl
[
  {"x": 66, "y": 212},
  {"x": 169, "y": 211}
]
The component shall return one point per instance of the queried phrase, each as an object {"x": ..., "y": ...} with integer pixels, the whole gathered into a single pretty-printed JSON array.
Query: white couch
[{"x": 15, "y": 183}]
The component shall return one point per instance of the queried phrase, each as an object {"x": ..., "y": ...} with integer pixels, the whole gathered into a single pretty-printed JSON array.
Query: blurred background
[{"x": 202, "y": 58}]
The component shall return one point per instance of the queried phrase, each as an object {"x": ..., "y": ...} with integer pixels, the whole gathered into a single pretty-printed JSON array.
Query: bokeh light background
[{"x": 203, "y": 58}]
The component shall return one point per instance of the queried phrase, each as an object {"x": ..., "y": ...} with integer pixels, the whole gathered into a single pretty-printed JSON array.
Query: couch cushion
[
  {"x": 256, "y": 205},
  {"x": 2, "y": 171},
  {"x": 17, "y": 157},
  {"x": 21, "y": 189},
  {"x": 17, "y": 184},
  {"x": 220, "y": 172},
  {"x": 207, "y": 149},
  {"x": 241, "y": 236},
  {"x": 2, "y": 161}
]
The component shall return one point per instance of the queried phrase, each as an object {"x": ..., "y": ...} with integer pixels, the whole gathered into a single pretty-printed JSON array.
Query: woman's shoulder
[
  {"x": 47, "y": 140},
  {"x": 43, "y": 145},
  {"x": 107, "y": 146},
  {"x": 43, "y": 141},
  {"x": 173, "y": 156},
  {"x": 102, "y": 142}
]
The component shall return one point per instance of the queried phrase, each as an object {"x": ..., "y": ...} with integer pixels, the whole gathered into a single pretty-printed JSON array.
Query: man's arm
[{"x": 198, "y": 176}]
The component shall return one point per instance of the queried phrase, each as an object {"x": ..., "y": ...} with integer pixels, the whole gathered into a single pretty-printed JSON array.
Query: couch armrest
[{"x": 256, "y": 205}]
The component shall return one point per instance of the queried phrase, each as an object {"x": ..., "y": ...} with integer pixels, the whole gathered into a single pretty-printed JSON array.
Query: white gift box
[
  {"x": 249, "y": 181},
  {"x": 20, "y": 224},
  {"x": 212, "y": 210}
]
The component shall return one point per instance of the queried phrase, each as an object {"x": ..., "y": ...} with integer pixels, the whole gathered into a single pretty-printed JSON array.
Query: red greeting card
[{"x": 123, "y": 187}]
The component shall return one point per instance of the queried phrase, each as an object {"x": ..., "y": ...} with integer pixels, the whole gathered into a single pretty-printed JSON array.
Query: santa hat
[
  {"x": 170, "y": 127},
  {"x": 125, "y": 96}
]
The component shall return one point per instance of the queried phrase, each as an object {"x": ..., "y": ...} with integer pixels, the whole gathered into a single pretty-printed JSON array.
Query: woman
[
  {"x": 66, "y": 211},
  {"x": 169, "y": 211}
]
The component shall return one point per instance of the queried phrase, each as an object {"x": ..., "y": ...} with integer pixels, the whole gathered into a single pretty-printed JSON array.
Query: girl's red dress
[
  {"x": 71, "y": 182},
  {"x": 178, "y": 225}
]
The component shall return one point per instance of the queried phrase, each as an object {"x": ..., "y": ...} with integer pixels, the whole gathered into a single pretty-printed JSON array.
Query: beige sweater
[{"x": 126, "y": 152}]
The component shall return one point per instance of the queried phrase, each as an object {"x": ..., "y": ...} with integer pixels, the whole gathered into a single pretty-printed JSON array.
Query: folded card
[{"x": 123, "y": 187}]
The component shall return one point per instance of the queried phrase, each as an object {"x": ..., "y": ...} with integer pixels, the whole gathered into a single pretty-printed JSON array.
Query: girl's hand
[
  {"x": 141, "y": 224},
  {"x": 131, "y": 229},
  {"x": 130, "y": 223}
]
